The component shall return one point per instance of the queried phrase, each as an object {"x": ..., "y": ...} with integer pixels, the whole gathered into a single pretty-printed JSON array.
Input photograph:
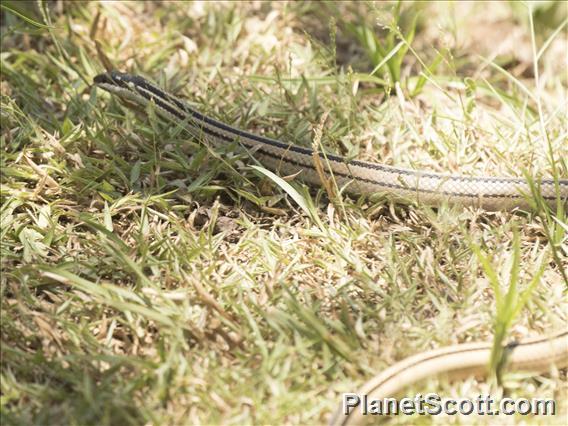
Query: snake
[
  {"x": 534, "y": 355},
  {"x": 357, "y": 177},
  {"x": 369, "y": 178}
]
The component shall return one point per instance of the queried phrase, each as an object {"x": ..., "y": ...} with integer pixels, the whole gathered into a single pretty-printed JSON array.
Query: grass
[{"x": 146, "y": 279}]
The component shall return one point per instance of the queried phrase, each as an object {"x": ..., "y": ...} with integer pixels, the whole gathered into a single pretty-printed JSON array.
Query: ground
[{"x": 145, "y": 281}]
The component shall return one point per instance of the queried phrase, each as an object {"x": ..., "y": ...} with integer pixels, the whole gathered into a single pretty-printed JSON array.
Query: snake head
[
  {"x": 113, "y": 78},
  {"x": 126, "y": 86}
]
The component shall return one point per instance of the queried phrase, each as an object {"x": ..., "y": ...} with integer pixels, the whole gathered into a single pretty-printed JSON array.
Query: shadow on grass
[{"x": 69, "y": 390}]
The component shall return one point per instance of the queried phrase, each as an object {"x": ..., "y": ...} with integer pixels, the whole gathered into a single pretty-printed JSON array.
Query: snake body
[
  {"x": 359, "y": 177},
  {"x": 533, "y": 355},
  {"x": 489, "y": 193}
]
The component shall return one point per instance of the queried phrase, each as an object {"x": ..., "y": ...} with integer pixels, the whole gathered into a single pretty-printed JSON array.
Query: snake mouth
[
  {"x": 102, "y": 79},
  {"x": 111, "y": 77}
]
